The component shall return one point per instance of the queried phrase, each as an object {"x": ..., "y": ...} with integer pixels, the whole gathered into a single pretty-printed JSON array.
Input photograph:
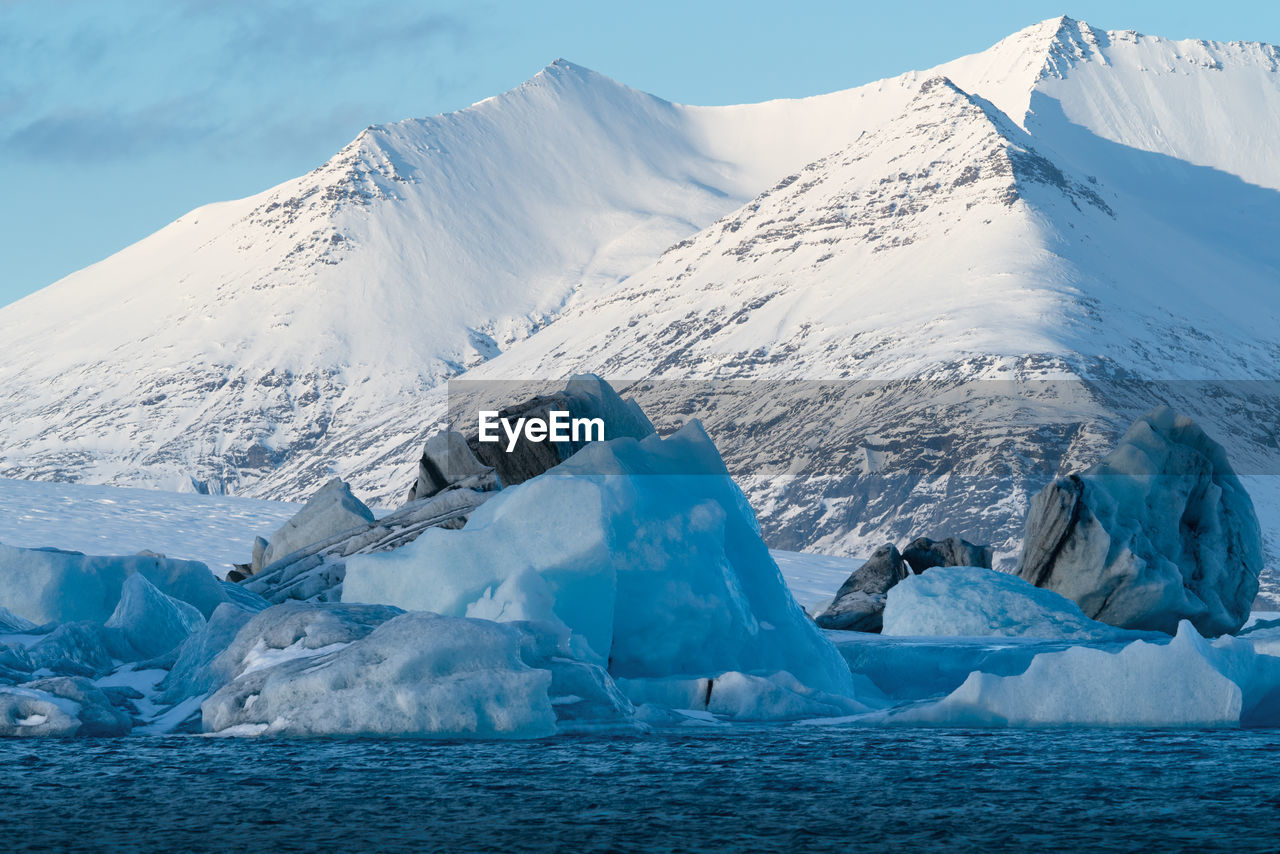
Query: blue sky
[{"x": 118, "y": 116}]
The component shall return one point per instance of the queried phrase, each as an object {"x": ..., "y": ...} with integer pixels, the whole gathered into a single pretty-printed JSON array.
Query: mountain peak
[
  {"x": 561, "y": 65},
  {"x": 563, "y": 71}
]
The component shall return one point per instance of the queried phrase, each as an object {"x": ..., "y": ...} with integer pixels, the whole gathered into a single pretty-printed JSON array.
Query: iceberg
[
  {"x": 644, "y": 551},
  {"x": 971, "y": 601},
  {"x": 416, "y": 674},
  {"x": 10, "y": 622},
  {"x": 28, "y": 712},
  {"x": 146, "y": 623},
  {"x": 73, "y": 649},
  {"x": 60, "y": 706},
  {"x": 234, "y": 643},
  {"x": 93, "y": 708},
  {"x": 332, "y": 510},
  {"x": 1180, "y": 683},
  {"x": 1160, "y": 530},
  {"x": 910, "y": 668},
  {"x": 192, "y": 673},
  {"x": 54, "y": 586}
]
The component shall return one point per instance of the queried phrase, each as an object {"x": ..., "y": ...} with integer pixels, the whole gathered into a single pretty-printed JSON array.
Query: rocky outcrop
[
  {"x": 859, "y": 603},
  {"x": 1160, "y": 530},
  {"x": 449, "y": 463},
  {"x": 456, "y": 460},
  {"x": 332, "y": 510},
  {"x": 306, "y": 559},
  {"x": 925, "y": 553},
  {"x": 315, "y": 572}
]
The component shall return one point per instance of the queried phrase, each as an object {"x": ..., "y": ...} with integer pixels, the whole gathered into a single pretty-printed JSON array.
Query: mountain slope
[
  {"x": 247, "y": 335},
  {"x": 258, "y": 345},
  {"x": 997, "y": 262},
  {"x": 955, "y": 307}
]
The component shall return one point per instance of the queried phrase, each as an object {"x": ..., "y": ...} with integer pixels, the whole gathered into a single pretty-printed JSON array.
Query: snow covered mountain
[
  {"x": 958, "y": 249},
  {"x": 253, "y": 344},
  {"x": 991, "y": 288}
]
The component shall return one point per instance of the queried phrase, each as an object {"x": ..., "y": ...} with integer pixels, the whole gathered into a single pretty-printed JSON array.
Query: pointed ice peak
[
  {"x": 561, "y": 71},
  {"x": 940, "y": 83},
  {"x": 942, "y": 90},
  {"x": 560, "y": 65}
]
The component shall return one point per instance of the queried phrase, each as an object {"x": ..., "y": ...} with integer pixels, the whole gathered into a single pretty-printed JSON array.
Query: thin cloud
[
  {"x": 200, "y": 74},
  {"x": 87, "y": 137}
]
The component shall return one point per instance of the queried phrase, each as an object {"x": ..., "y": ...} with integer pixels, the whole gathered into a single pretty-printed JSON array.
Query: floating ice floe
[
  {"x": 54, "y": 586},
  {"x": 415, "y": 674},
  {"x": 1186, "y": 682},
  {"x": 972, "y": 601}
]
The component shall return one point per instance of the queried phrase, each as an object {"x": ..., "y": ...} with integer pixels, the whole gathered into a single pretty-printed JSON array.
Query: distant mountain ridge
[{"x": 1070, "y": 209}]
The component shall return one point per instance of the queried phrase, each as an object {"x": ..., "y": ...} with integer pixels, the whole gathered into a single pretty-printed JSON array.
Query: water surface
[{"x": 774, "y": 789}]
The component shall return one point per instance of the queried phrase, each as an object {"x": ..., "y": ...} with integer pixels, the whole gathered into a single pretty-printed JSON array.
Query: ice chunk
[
  {"x": 740, "y": 697},
  {"x": 192, "y": 674},
  {"x": 147, "y": 623},
  {"x": 53, "y": 586},
  {"x": 60, "y": 706},
  {"x": 243, "y": 598},
  {"x": 28, "y": 712},
  {"x": 332, "y": 510},
  {"x": 976, "y": 602},
  {"x": 415, "y": 675},
  {"x": 1159, "y": 531},
  {"x": 73, "y": 649},
  {"x": 448, "y": 463},
  {"x": 644, "y": 549},
  {"x": 583, "y": 695},
  {"x": 299, "y": 629},
  {"x": 234, "y": 642},
  {"x": 15, "y": 663},
  {"x": 94, "y": 710},
  {"x": 917, "y": 668},
  {"x": 1175, "y": 684},
  {"x": 746, "y": 697},
  {"x": 10, "y": 622}
]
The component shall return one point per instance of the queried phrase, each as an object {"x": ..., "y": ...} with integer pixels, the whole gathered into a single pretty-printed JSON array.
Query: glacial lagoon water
[{"x": 767, "y": 789}]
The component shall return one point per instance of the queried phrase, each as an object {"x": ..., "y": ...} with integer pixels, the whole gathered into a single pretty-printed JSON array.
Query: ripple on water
[{"x": 780, "y": 789}]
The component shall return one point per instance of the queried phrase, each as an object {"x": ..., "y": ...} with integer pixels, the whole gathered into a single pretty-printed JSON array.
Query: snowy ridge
[
  {"x": 250, "y": 343},
  {"x": 997, "y": 312},
  {"x": 1069, "y": 205}
]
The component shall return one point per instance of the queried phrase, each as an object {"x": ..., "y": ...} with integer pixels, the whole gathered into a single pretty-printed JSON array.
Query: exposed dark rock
[
  {"x": 527, "y": 459},
  {"x": 1159, "y": 531},
  {"x": 444, "y": 463},
  {"x": 859, "y": 603},
  {"x": 925, "y": 553},
  {"x": 448, "y": 462}
]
